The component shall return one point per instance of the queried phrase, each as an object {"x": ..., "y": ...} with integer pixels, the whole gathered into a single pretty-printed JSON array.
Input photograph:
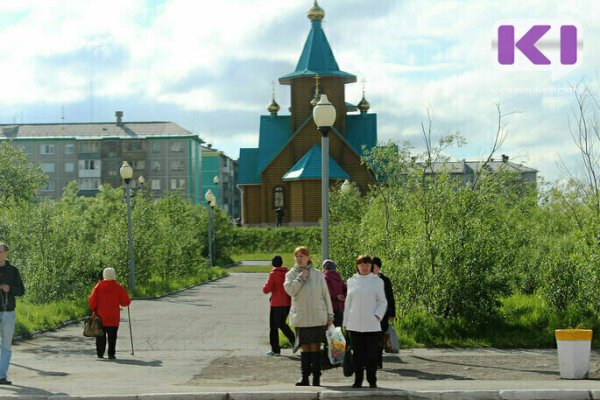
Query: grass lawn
[{"x": 288, "y": 258}]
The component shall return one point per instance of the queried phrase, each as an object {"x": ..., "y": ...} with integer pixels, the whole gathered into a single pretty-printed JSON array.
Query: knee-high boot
[
  {"x": 305, "y": 367},
  {"x": 316, "y": 367},
  {"x": 372, "y": 376},
  {"x": 358, "y": 378}
]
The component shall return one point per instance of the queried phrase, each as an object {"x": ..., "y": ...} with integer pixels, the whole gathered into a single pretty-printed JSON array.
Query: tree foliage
[{"x": 21, "y": 180}]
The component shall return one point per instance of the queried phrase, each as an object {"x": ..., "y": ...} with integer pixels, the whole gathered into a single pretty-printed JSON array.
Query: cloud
[{"x": 209, "y": 65}]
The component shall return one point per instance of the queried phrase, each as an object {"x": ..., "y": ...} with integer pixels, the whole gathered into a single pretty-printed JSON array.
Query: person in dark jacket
[
  {"x": 106, "y": 301},
  {"x": 337, "y": 290},
  {"x": 11, "y": 285},
  {"x": 390, "y": 313},
  {"x": 280, "y": 306}
]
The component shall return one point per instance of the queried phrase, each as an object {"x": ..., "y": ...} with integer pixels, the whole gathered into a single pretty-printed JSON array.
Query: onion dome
[
  {"x": 315, "y": 13},
  {"x": 363, "y": 105},
  {"x": 273, "y": 107}
]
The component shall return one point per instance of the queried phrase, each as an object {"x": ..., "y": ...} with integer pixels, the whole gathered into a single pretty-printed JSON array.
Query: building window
[
  {"x": 48, "y": 167},
  {"x": 155, "y": 147},
  {"x": 27, "y": 148},
  {"x": 69, "y": 166},
  {"x": 89, "y": 147},
  {"x": 69, "y": 148},
  {"x": 155, "y": 184},
  {"x": 176, "y": 147},
  {"x": 46, "y": 149},
  {"x": 278, "y": 198},
  {"x": 88, "y": 183},
  {"x": 177, "y": 184},
  {"x": 134, "y": 146},
  {"x": 177, "y": 165},
  {"x": 138, "y": 164},
  {"x": 89, "y": 164},
  {"x": 49, "y": 186},
  {"x": 155, "y": 165}
]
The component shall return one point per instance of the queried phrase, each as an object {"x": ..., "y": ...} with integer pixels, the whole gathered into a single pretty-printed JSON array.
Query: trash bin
[{"x": 574, "y": 347}]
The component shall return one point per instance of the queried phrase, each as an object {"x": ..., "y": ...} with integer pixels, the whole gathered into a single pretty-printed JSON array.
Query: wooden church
[{"x": 282, "y": 177}]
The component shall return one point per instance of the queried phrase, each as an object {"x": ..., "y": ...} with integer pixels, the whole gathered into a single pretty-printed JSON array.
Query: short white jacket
[{"x": 365, "y": 303}]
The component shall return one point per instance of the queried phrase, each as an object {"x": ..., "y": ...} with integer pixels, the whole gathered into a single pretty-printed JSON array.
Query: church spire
[
  {"x": 315, "y": 13},
  {"x": 273, "y": 107},
  {"x": 363, "y": 105},
  {"x": 317, "y": 56}
]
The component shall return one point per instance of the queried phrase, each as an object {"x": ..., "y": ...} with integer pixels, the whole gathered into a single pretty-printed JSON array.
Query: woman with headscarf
[{"x": 106, "y": 301}]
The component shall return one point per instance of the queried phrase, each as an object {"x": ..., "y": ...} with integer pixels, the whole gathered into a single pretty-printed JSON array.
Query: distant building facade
[
  {"x": 216, "y": 164},
  {"x": 165, "y": 154},
  {"x": 281, "y": 179},
  {"x": 465, "y": 171}
]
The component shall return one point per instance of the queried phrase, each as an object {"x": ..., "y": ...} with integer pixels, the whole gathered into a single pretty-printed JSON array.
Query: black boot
[
  {"x": 316, "y": 367},
  {"x": 305, "y": 367},
  {"x": 372, "y": 376},
  {"x": 358, "y": 379}
]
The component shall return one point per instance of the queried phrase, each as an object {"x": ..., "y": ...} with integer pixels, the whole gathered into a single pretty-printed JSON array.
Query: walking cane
[{"x": 130, "y": 332}]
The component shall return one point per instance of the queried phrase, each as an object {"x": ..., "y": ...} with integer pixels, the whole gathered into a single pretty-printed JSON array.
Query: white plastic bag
[
  {"x": 392, "y": 344},
  {"x": 336, "y": 345}
]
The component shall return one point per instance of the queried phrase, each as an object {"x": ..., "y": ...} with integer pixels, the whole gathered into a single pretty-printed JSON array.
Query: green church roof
[
  {"x": 317, "y": 58},
  {"x": 247, "y": 171},
  {"x": 274, "y": 135},
  {"x": 361, "y": 130},
  {"x": 309, "y": 167}
]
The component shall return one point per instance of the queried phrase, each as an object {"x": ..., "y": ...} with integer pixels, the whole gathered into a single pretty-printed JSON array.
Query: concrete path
[{"x": 209, "y": 342}]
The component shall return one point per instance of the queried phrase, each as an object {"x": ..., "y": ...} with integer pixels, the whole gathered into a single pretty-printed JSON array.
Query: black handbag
[
  {"x": 92, "y": 327},
  {"x": 348, "y": 363}
]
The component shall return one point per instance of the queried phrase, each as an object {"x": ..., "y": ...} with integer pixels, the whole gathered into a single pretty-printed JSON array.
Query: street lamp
[
  {"x": 210, "y": 198},
  {"x": 324, "y": 117},
  {"x": 213, "y": 205},
  {"x": 126, "y": 174},
  {"x": 346, "y": 186}
]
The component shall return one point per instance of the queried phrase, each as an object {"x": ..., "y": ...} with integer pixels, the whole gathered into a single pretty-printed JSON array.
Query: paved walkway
[{"x": 210, "y": 341}]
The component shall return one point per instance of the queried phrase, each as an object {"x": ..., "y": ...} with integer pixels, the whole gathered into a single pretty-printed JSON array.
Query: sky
[{"x": 209, "y": 66}]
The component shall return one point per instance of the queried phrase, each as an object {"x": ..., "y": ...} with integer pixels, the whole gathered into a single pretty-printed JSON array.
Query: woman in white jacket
[
  {"x": 310, "y": 313},
  {"x": 363, "y": 311}
]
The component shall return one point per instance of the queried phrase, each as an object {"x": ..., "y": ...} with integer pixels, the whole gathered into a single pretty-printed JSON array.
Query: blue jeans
[{"x": 7, "y": 326}]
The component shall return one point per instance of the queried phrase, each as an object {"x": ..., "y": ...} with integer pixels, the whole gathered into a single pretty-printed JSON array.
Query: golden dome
[
  {"x": 363, "y": 105},
  {"x": 315, "y": 13},
  {"x": 273, "y": 107}
]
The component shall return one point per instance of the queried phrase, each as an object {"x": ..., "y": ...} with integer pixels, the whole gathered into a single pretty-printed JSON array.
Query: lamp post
[
  {"x": 142, "y": 182},
  {"x": 126, "y": 174},
  {"x": 346, "y": 186},
  {"x": 324, "y": 117},
  {"x": 213, "y": 205},
  {"x": 209, "y": 197}
]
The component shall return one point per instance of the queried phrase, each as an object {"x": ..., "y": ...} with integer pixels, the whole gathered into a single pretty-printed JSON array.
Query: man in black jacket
[
  {"x": 11, "y": 285},
  {"x": 390, "y": 313}
]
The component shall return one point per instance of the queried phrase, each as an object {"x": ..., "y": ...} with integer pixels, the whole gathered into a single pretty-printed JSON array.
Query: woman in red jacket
[
  {"x": 105, "y": 301},
  {"x": 280, "y": 306}
]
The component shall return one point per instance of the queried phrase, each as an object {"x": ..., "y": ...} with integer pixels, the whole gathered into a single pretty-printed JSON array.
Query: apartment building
[
  {"x": 165, "y": 154},
  {"x": 219, "y": 174}
]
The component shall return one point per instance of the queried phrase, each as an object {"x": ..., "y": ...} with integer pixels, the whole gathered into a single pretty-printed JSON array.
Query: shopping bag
[
  {"x": 336, "y": 345},
  {"x": 348, "y": 363},
  {"x": 92, "y": 327},
  {"x": 392, "y": 344}
]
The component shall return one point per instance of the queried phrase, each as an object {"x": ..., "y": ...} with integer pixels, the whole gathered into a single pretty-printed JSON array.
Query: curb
[{"x": 362, "y": 394}]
